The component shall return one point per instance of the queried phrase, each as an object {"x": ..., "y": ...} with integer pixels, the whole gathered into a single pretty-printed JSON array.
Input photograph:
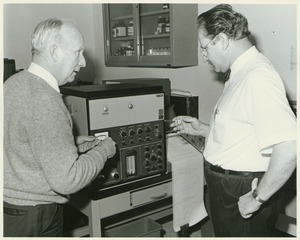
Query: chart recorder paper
[{"x": 187, "y": 182}]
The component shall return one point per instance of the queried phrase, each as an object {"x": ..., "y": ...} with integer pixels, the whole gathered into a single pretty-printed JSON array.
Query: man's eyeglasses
[{"x": 204, "y": 49}]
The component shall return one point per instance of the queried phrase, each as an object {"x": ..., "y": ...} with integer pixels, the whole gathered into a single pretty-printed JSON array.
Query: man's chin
[{"x": 71, "y": 78}]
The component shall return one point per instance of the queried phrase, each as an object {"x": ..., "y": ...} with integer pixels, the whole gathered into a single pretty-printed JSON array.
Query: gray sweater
[{"x": 41, "y": 163}]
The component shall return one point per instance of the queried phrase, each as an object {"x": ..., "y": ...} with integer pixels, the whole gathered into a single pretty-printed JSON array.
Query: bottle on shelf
[
  {"x": 160, "y": 25},
  {"x": 166, "y": 6},
  {"x": 158, "y": 51},
  {"x": 129, "y": 49},
  {"x": 167, "y": 25},
  {"x": 130, "y": 30},
  {"x": 114, "y": 31},
  {"x": 125, "y": 49}
]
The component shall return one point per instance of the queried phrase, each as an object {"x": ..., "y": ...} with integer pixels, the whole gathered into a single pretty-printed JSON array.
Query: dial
[
  {"x": 148, "y": 129},
  {"x": 153, "y": 157},
  {"x": 147, "y": 163},
  {"x": 140, "y": 130},
  {"x": 131, "y": 132},
  {"x": 123, "y": 133}
]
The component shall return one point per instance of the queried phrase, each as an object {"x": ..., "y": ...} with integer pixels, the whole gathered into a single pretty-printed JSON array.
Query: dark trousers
[
  {"x": 224, "y": 191},
  {"x": 33, "y": 221}
]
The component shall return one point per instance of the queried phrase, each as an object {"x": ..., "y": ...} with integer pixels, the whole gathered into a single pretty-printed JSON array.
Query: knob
[
  {"x": 154, "y": 168},
  {"x": 100, "y": 179},
  {"x": 148, "y": 129},
  {"x": 147, "y": 163},
  {"x": 115, "y": 175},
  {"x": 159, "y": 152},
  {"x": 123, "y": 133},
  {"x": 105, "y": 109},
  {"x": 140, "y": 130},
  {"x": 131, "y": 132},
  {"x": 147, "y": 155},
  {"x": 153, "y": 157}
]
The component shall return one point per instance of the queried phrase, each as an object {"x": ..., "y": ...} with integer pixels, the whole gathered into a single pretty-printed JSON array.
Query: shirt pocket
[{"x": 220, "y": 128}]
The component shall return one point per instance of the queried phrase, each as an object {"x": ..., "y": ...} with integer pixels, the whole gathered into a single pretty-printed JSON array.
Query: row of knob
[{"x": 131, "y": 132}]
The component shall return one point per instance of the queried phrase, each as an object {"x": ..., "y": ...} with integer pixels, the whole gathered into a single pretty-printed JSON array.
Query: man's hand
[
  {"x": 108, "y": 146},
  {"x": 247, "y": 204},
  {"x": 85, "y": 143},
  {"x": 186, "y": 124}
]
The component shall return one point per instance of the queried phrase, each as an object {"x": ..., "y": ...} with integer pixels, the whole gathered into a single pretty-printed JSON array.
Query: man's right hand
[
  {"x": 109, "y": 146},
  {"x": 186, "y": 125}
]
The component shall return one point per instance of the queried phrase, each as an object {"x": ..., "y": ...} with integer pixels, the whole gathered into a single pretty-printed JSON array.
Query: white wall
[{"x": 273, "y": 36}]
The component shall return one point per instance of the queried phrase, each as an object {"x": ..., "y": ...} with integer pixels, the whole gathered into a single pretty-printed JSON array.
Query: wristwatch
[{"x": 256, "y": 197}]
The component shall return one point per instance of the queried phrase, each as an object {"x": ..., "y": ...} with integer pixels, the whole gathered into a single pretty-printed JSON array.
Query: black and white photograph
[{"x": 149, "y": 119}]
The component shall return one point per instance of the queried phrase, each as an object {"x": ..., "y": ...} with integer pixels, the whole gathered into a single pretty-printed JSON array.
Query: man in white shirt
[{"x": 250, "y": 147}]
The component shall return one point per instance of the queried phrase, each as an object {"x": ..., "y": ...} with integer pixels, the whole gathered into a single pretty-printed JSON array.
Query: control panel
[{"x": 140, "y": 153}]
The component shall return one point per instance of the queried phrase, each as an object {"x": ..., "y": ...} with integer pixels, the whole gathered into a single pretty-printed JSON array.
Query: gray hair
[{"x": 44, "y": 33}]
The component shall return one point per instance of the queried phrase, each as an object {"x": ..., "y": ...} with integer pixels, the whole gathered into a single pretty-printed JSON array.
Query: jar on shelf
[{"x": 121, "y": 29}]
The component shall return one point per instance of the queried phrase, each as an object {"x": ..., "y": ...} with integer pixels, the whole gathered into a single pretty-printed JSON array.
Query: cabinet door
[
  {"x": 120, "y": 34},
  {"x": 155, "y": 38},
  {"x": 163, "y": 35}
]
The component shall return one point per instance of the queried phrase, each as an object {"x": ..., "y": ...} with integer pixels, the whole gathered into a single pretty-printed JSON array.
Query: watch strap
[{"x": 256, "y": 197}]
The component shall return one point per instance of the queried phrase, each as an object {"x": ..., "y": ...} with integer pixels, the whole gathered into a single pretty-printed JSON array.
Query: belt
[{"x": 218, "y": 169}]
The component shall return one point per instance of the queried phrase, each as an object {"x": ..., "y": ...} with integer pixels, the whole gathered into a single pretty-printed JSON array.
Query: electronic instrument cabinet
[
  {"x": 117, "y": 209},
  {"x": 150, "y": 35}
]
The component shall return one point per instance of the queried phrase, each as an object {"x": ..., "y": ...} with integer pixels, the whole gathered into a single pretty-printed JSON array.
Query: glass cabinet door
[
  {"x": 122, "y": 40},
  {"x": 150, "y": 35},
  {"x": 154, "y": 21}
]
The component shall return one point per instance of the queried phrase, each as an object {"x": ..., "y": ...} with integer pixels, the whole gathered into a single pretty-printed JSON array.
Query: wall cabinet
[{"x": 150, "y": 35}]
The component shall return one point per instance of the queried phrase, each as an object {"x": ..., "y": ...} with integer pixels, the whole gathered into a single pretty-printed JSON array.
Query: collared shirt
[
  {"x": 251, "y": 116},
  {"x": 44, "y": 74}
]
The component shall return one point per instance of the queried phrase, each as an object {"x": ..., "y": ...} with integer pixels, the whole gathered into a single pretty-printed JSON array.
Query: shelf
[
  {"x": 122, "y": 39},
  {"x": 152, "y": 13},
  {"x": 122, "y": 18},
  {"x": 164, "y": 35}
]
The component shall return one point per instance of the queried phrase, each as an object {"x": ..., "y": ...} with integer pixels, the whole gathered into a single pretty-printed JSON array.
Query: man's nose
[{"x": 82, "y": 62}]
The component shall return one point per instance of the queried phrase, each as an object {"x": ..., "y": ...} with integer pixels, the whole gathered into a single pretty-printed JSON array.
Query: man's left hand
[{"x": 247, "y": 204}]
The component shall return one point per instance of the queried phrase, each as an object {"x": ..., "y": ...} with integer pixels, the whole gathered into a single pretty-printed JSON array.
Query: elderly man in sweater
[{"x": 42, "y": 161}]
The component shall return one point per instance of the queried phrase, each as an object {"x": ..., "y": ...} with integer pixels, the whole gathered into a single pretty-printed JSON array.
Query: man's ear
[
  {"x": 54, "y": 52},
  {"x": 224, "y": 40}
]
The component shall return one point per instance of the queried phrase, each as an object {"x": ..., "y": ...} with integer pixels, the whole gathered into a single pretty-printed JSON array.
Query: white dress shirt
[{"x": 251, "y": 116}]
